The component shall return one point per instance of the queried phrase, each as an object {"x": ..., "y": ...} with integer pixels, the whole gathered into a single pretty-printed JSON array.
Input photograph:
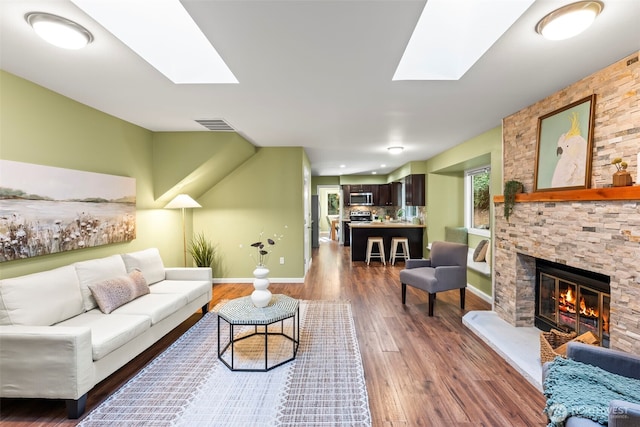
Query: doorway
[{"x": 330, "y": 213}]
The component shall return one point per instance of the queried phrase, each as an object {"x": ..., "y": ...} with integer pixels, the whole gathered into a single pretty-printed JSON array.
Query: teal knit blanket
[{"x": 576, "y": 389}]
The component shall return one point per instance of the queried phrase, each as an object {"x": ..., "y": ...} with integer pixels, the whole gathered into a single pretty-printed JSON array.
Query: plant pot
[{"x": 622, "y": 179}]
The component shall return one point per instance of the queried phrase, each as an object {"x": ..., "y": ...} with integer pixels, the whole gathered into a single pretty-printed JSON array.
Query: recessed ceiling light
[
  {"x": 163, "y": 33},
  {"x": 569, "y": 20},
  {"x": 395, "y": 150},
  {"x": 374, "y": 173},
  {"x": 383, "y": 166},
  {"x": 59, "y": 31},
  {"x": 450, "y": 38},
  {"x": 343, "y": 166}
]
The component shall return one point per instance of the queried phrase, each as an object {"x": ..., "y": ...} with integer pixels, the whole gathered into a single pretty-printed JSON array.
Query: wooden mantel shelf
[{"x": 591, "y": 194}]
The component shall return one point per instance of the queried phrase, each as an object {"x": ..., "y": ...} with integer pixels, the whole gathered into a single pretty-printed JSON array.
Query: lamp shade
[{"x": 182, "y": 201}]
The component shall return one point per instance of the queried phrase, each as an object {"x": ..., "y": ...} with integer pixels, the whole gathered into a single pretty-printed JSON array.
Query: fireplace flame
[
  {"x": 587, "y": 311},
  {"x": 568, "y": 304}
]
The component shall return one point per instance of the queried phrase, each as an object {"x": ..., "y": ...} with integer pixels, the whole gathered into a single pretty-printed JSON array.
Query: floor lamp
[{"x": 183, "y": 201}]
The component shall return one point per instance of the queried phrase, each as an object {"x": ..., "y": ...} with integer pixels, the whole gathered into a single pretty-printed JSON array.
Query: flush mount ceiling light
[
  {"x": 395, "y": 150},
  {"x": 59, "y": 31},
  {"x": 569, "y": 20}
]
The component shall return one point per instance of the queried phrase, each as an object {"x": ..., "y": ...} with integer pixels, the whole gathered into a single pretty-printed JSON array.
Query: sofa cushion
[
  {"x": 112, "y": 293},
  {"x": 148, "y": 261},
  {"x": 109, "y": 332},
  {"x": 97, "y": 270},
  {"x": 40, "y": 299},
  {"x": 190, "y": 288},
  {"x": 156, "y": 306}
]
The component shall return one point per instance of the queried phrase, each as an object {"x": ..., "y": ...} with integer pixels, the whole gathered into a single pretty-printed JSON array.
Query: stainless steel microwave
[{"x": 361, "y": 199}]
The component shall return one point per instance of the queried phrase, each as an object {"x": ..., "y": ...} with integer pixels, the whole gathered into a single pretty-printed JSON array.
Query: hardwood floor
[{"x": 420, "y": 370}]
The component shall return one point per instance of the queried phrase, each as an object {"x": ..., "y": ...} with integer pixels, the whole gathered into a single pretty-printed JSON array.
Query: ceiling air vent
[{"x": 217, "y": 125}]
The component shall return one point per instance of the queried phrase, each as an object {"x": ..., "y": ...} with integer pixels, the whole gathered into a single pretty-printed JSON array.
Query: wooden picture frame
[{"x": 565, "y": 147}]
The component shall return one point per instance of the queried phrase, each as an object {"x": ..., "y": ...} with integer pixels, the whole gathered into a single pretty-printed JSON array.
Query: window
[{"x": 477, "y": 200}]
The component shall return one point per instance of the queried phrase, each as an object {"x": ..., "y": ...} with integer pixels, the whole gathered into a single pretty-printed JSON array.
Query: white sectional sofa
[{"x": 57, "y": 343}]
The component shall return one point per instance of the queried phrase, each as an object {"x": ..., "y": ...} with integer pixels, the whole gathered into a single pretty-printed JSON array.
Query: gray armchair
[
  {"x": 445, "y": 270},
  {"x": 621, "y": 413}
]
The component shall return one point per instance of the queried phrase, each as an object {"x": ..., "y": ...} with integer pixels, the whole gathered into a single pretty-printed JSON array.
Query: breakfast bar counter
[{"x": 361, "y": 231}]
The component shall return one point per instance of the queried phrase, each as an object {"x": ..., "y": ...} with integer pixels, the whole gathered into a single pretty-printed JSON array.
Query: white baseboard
[{"x": 479, "y": 293}]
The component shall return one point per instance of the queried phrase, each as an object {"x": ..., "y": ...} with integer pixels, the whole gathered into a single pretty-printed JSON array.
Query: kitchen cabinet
[
  {"x": 360, "y": 188},
  {"x": 346, "y": 233},
  {"x": 346, "y": 190},
  {"x": 389, "y": 194},
  {"x": 414, "y": 189}
]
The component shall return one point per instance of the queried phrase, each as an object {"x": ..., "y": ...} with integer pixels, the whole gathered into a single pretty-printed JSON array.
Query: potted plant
[
  {"x": 621, "y": 178},
  {"x": 202, "y": 251},
  {"x": 511, "y": 188}
]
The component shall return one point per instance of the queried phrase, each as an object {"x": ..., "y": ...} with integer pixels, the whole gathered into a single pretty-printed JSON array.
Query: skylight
[
  {"x": 163, "y": 33},
  {"x": 451, "y": 36}
]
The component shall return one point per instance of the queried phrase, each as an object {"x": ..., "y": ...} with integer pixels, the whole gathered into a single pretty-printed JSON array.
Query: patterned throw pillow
[
  {"x": 112, "y": 293},
  {"x": 480, "y": 253}
]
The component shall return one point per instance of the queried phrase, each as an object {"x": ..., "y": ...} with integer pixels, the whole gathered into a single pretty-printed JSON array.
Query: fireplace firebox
[{"x": 571, "y": 299}]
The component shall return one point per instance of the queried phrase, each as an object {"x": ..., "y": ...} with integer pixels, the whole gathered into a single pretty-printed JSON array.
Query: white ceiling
[{"x": 317, "y": 74}]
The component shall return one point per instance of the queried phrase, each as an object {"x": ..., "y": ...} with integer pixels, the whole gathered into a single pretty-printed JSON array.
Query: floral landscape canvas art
[{"x": 45, "y": 210}]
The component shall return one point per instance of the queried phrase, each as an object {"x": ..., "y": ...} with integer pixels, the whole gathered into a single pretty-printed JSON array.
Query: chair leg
[
  {"x": 462, "y": 294},
  {"x": 432, "y": 299},
  {"x": 404, "y": 293}
]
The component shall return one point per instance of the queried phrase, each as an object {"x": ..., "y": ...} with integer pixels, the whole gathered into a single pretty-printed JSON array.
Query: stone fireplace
[{"x": 595, "y": 229}]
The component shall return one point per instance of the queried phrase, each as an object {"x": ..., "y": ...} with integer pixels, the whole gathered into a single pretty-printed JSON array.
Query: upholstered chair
[{"x": 446, "y": 269}]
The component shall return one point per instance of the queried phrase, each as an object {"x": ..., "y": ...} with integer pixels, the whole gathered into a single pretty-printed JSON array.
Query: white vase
[{"x": 261, "y": 296}]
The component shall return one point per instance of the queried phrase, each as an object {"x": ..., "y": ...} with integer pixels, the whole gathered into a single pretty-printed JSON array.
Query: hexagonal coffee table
[{"x": 242, "y": 312}]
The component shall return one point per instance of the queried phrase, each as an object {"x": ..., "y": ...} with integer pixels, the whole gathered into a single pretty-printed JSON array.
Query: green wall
[
  {"x": 42, "y": 127},
  {"x": 323, "y": 180},
  {"x": 205, "y": 158},
  {"x": 263, "y": 191},
  {"x": 445, "y": 188},
  {"x": 263, "y": 195}
]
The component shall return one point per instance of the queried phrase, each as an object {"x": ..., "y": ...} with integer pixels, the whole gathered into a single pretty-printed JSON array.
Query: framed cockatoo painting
[{"x": 565, "y": 145}]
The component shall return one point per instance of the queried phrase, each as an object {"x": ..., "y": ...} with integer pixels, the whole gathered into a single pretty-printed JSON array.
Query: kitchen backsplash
[{"x": 390, "y": 211}]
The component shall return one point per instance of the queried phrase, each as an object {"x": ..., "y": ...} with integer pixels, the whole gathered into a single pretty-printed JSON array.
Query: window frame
[{"x": 468, "y": 201}]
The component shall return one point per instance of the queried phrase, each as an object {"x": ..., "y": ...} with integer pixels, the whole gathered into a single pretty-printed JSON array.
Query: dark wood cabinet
[
  {"x": 361, "y": 188},
  {"x": 414, "y": 189},
  {"x": 384, "y": 195},
  {"x": 346, "y": 190},
  {"x": 389, "y": 194},
  {"x": 396, "y": 194}
]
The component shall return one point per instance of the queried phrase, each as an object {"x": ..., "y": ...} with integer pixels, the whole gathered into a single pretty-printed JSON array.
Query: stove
[{"x": 360, "y": 216}]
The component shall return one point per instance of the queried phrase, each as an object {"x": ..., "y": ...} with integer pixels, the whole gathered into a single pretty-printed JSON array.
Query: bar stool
[
  {"x": 404, "y": 242},
  {"x": 380, "y": 254}
]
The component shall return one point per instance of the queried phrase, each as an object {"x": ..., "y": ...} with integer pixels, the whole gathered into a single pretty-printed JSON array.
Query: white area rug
[{"x": 186, "y": 385}]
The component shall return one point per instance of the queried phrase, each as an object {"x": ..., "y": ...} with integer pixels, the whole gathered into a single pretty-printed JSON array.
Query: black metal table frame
[{"x": 294, "y": 338}]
